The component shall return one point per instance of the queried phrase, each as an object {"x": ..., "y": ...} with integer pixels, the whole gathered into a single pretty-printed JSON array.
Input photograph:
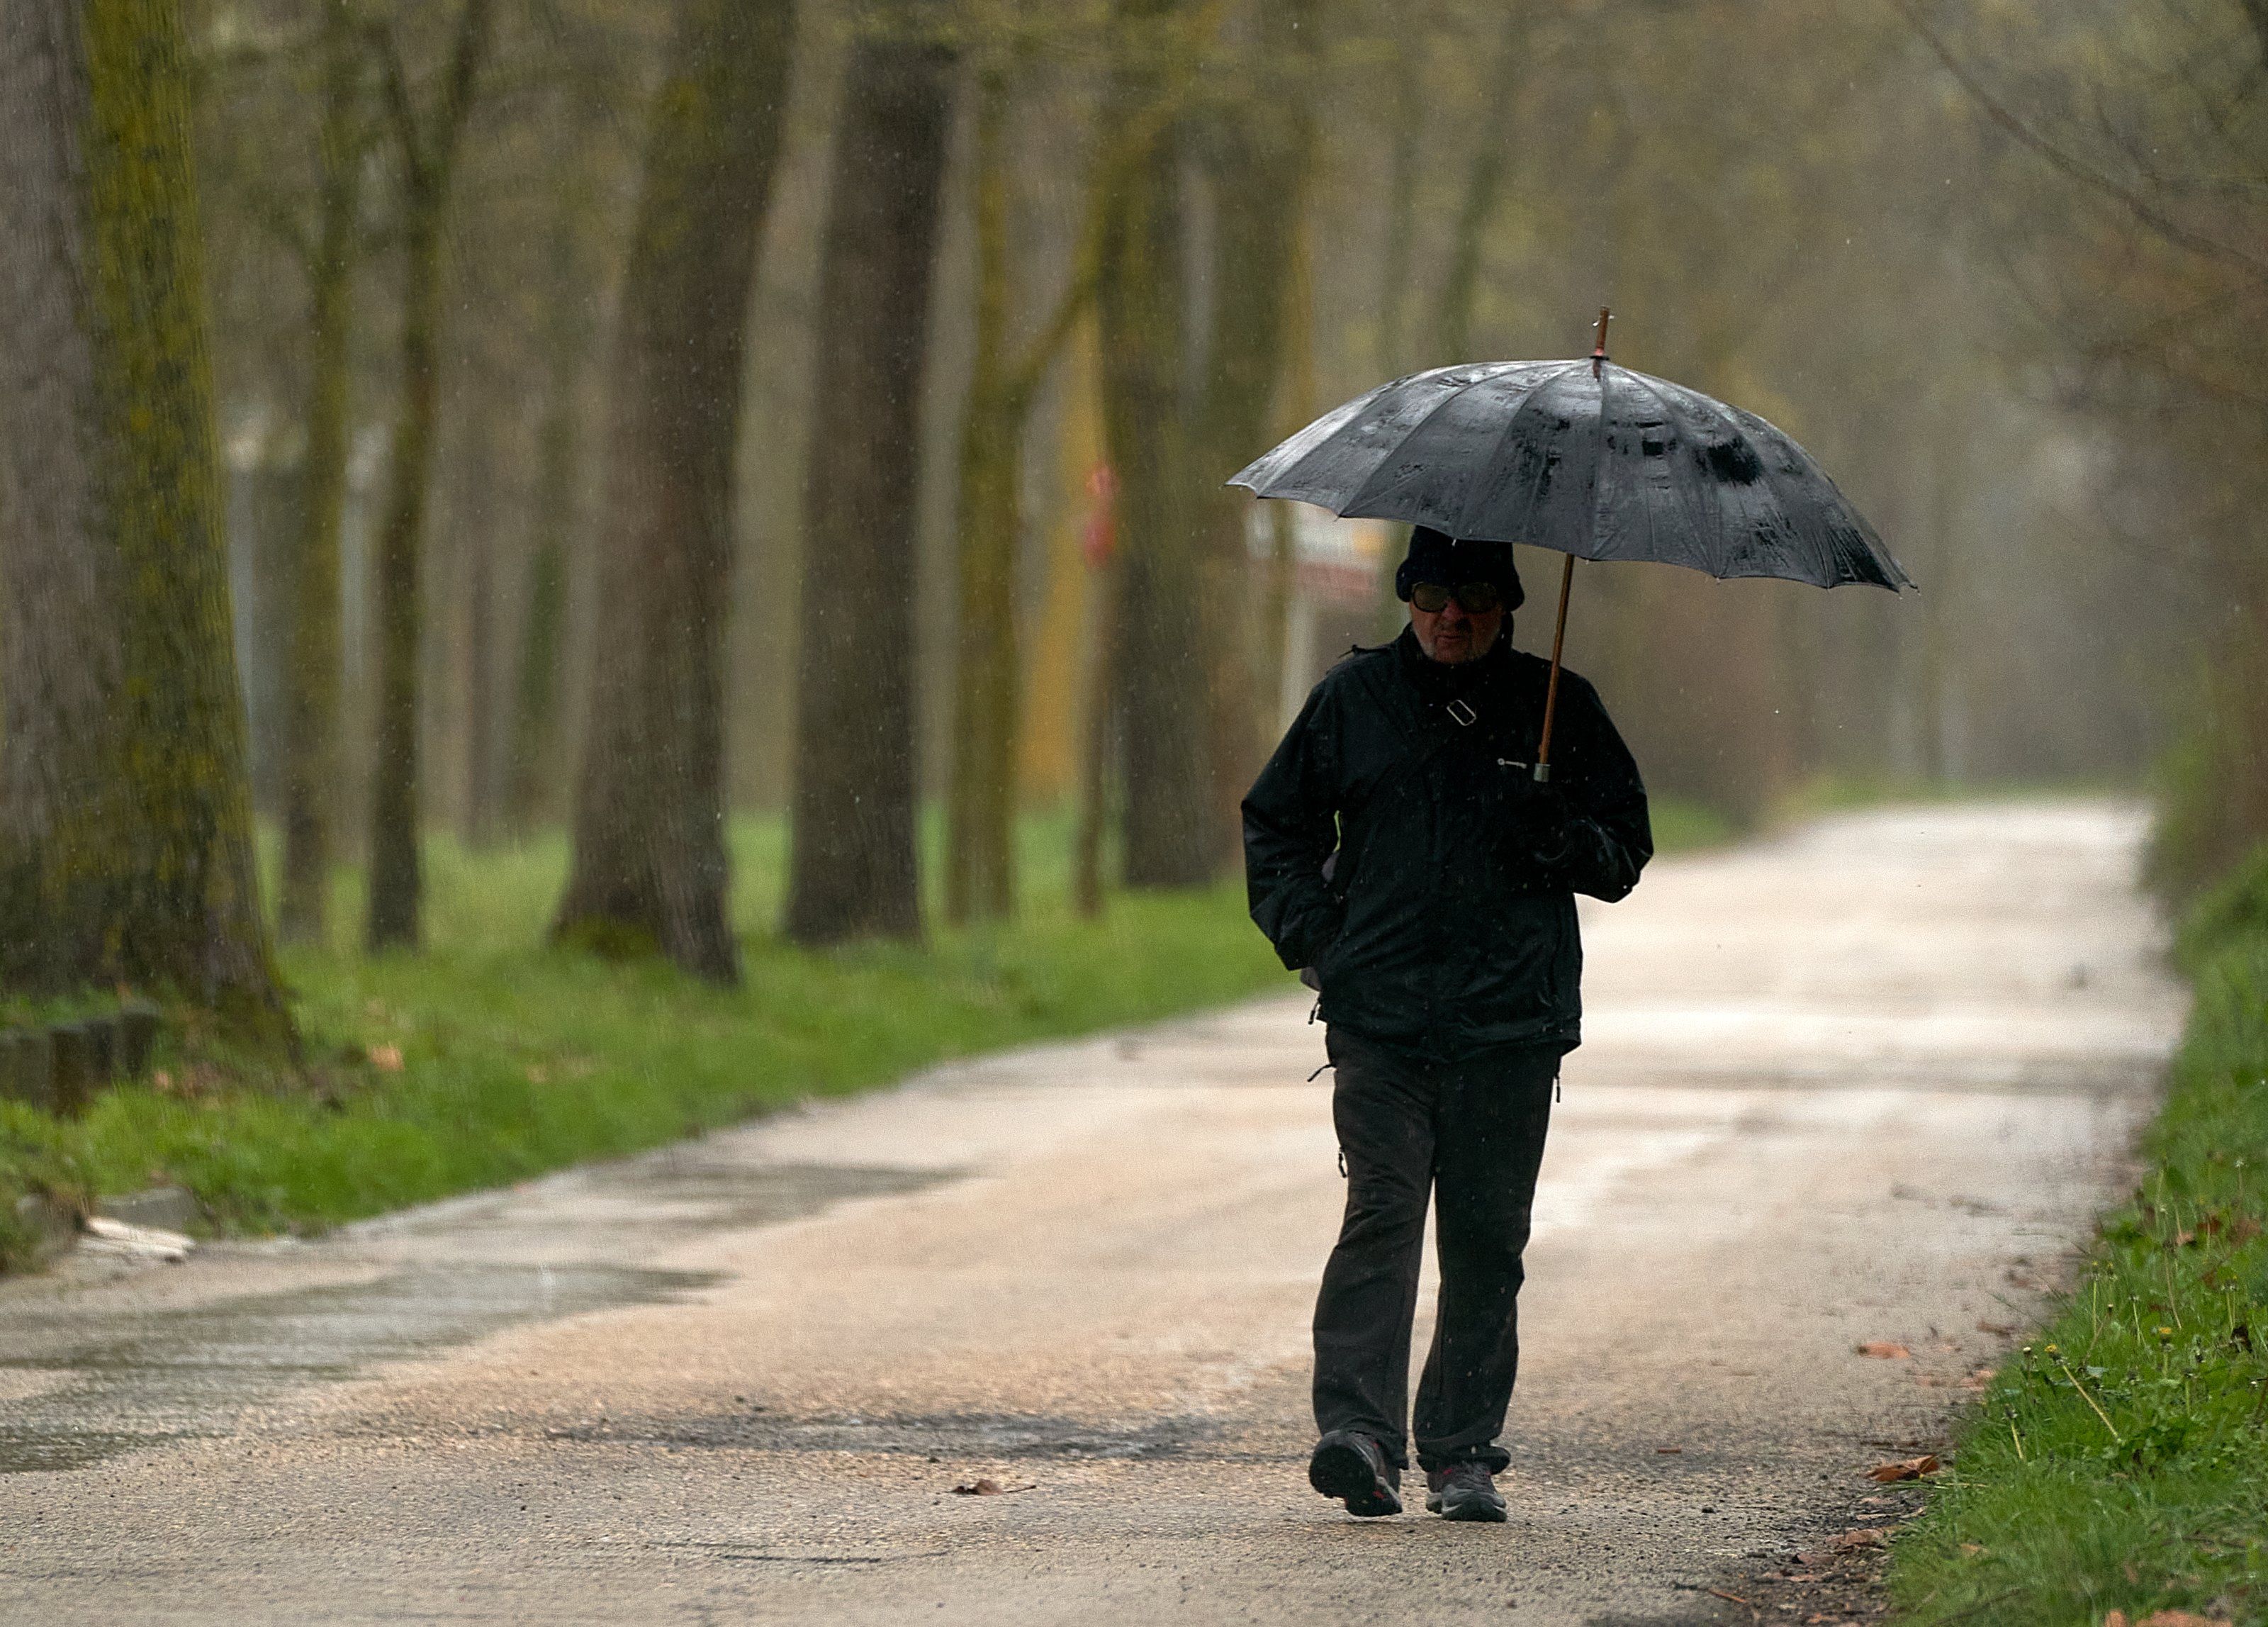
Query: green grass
[
  {"x": 2121, "y": 1460},
  {"x": 1680, "y": 827},
  {"x": 516, "y": 1058}
]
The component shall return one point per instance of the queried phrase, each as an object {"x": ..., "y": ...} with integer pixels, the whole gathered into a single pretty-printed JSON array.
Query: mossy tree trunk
[
  {"x": 980, "y": 807},
  {"x": 427, "y": 146},
  {"x": 311, "y": 715},
  {"x": 125, "y": 815},
  {"x": 649, "y": 867},
  {"x": 853, "y": 865}
]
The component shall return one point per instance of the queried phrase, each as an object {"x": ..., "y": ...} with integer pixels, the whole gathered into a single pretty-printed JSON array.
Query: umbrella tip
[{"x": 1599, "y": 349}]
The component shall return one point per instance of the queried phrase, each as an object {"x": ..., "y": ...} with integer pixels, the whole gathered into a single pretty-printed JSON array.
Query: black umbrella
[{"x": 1587, "y": 458}]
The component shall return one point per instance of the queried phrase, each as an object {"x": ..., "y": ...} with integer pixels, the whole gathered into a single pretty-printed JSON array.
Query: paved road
[{"x": 1864, "y": 1082}]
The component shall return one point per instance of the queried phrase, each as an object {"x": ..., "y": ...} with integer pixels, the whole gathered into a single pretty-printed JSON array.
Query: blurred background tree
[
  {"x": 632, "y": 416},
  {"x": 649, "y": 862}
]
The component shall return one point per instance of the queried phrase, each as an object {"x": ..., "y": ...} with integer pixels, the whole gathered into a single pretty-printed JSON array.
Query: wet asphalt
[{"x": 1864, "y": 1082}]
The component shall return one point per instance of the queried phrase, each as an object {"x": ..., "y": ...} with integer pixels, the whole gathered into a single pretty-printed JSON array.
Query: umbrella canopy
[{"x": 1587, "y": 458}]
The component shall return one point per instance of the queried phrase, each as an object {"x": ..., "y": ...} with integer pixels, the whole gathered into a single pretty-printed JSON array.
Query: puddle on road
[
  {"x": 138, "y": 1377},
  {"x": 941, "y": 1435}
]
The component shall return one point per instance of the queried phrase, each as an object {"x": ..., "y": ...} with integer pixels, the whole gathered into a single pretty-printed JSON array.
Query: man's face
[{"x": 1452, "y": 634}]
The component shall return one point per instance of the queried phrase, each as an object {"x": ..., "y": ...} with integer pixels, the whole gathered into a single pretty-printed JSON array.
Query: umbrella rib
[
  {"x": 1289, "y": 453},
  {"x": 1771, "y": 479},
  {"x": 1599, "y": 484},
  {"x": 1512, "y": 424},
  {"x": 1363, "y": 492},
  {"x": 1791, "y": 511},
  {"x": 1692, "y": 516}
]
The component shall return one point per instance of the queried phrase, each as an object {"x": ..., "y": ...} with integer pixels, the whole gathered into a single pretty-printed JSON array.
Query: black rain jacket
[{"x": 1385, "y": 846}]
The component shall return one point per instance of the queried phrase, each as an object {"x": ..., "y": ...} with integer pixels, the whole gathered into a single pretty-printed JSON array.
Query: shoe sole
[
  {"x": 1343, "y": 1473},
  {"x": 1476, "y": 1510}
]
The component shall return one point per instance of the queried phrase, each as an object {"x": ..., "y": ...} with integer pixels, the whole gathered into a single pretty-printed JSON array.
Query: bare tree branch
[{"x": 2144, "y": 211}]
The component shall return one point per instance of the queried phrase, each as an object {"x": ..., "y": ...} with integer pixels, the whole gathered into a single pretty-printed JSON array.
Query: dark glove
[{"x": 1542, "y": 821}]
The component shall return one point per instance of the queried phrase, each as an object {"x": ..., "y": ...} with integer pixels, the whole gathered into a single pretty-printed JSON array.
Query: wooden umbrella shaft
[
  {"x": 1551, "y": 694},
  {"x": 1567, "y": 581}
]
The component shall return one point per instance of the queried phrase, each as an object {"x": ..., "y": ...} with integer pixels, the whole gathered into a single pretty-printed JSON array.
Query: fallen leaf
[
  {"x": 1858, "y": 1537},
  {"x": 2180, "y": 1618},
  {"x": 385, "y": 1058},
  {"x": 1906, "y": 1468},
  {"x": 1884, "y": 1349},
  {"x": 1972, "y": 1548},
  {"x": 986, "y": 1487},
  {"x": 1668, "y": 1452}
]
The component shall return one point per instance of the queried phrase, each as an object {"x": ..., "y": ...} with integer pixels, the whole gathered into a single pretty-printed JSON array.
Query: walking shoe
[
  {"x": 1464, "y": 1492},
  {"x": 1353, "y": 1468}
]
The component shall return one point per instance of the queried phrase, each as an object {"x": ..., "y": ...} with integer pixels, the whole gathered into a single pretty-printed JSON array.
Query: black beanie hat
[{"x": 1437, "y": 557}]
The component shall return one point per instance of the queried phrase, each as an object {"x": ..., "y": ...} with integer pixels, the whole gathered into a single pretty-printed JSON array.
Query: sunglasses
[{"x": 1476, "y": 598}]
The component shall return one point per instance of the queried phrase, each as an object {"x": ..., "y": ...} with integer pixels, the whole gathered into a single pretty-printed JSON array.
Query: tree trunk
[
  {"x": 980, "y": 835},
  {"x": 311, "y": 715},
  {"x": 533, "y": 769},
  {"x": 1260, "y": 164},
  {"x": 396, "y": 888},
  {"x": 477, "y": 827},
  {"x": 429, "y": 165},
  {"x": 125, "y": 818},
  {"x": 1098, "y": 748},
  {"x": 1405, "y": 165},
  {"x": 1160, "y": 680},
  {"x": 1295, "y": 406},
  {"x": 650, "y": 869},
  {"x": 854, "y": 871},
  {"x": 535, "y": 754},
  {"x": 1051, "y": 715}
]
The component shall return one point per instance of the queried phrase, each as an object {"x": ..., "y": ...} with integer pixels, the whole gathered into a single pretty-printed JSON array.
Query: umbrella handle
[{"x": 1551, "y": 694}]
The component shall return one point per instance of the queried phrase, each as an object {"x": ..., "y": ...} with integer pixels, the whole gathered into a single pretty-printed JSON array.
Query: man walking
[{"x": 1399, "y": 848}]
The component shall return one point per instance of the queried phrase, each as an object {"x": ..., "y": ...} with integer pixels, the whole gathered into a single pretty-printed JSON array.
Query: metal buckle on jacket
[{"x": 1462, "y": 713}]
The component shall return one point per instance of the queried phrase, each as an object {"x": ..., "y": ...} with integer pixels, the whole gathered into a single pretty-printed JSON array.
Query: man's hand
[{"x": 1542, "y": 817}]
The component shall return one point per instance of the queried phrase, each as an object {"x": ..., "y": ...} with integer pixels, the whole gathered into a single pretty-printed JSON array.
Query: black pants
[{"x": 1470, "y": 1134}]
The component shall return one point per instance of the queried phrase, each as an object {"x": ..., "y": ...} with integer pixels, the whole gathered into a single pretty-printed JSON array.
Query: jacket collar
[{"x": 1438, "y": 683}]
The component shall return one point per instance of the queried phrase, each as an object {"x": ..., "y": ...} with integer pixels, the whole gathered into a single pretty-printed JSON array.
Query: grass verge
[{"x": 2118, "y": 1464}]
